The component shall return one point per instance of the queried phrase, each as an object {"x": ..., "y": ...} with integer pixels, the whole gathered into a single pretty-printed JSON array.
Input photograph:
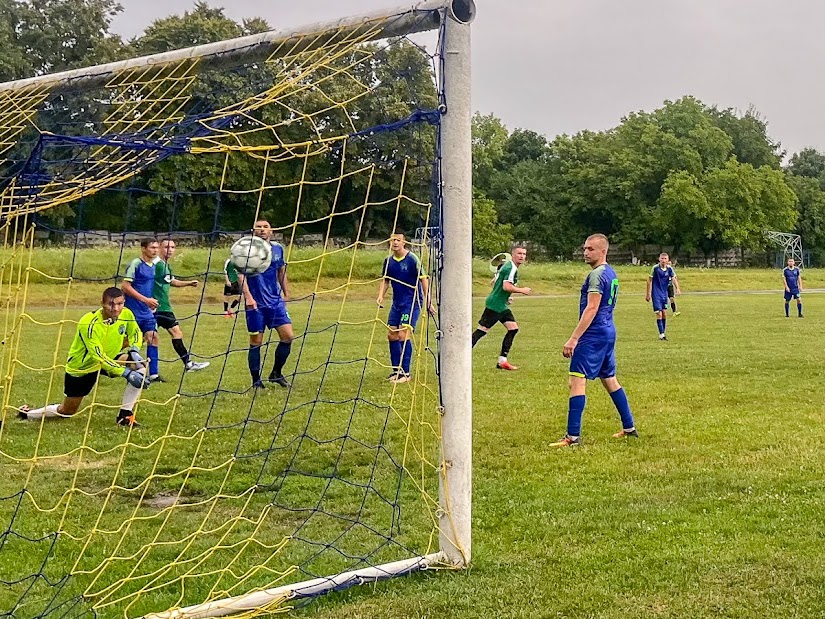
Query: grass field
[{"x": 714, "y": 512}]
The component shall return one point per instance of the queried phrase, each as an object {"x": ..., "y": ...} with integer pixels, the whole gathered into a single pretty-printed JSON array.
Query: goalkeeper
[{"x": 107, "y": 341}]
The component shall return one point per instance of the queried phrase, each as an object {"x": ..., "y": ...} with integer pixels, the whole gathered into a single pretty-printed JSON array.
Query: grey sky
[{"x": 559, "y": 66}]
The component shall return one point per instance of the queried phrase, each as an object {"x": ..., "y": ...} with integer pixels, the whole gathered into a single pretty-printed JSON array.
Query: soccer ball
[{"x": 251, "y": 255}]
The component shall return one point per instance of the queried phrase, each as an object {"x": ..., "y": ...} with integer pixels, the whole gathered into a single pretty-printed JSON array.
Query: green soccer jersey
[
  {"x": 98, "y": 341},
  {"x": 230, "y": 271},
  {"x": 163, "y": 280},
  {"x": 497, "y": 299}
]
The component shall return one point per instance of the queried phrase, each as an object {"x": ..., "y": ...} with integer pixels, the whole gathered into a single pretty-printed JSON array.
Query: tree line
[
  {"x": 696, "y": 177},
  {"x": 688, "y": 175}
]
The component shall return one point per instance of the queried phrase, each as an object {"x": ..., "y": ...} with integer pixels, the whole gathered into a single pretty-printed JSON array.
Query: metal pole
[
  {"x": 398, "y": 21},
  {"x": 456, "y": 290}
]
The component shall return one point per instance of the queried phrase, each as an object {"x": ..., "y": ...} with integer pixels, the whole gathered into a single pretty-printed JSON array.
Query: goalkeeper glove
[{"x": 136, "y": 379}]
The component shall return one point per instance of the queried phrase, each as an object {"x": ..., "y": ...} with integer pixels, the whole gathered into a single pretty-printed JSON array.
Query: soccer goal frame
[
  {"x": 791, "y": 245},
  {"x": 455, "y": 303}
]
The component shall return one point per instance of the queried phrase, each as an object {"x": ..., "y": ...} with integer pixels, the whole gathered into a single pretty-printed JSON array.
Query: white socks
[{"x": 46, "y": 411}]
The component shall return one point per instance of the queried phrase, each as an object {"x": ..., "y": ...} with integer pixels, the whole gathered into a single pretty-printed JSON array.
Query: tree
[
  {"x": 56, "y": 35},
  {"x": 489, "y": 236},
  {"x": 811, "y": 221},
  {"x": 749, "y": 135},
  {"x": 489, "y": 143},
  {"x": 809, "y": 163}
]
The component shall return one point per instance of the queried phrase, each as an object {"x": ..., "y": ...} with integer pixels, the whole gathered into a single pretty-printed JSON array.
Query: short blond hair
[{"x": 601, "y": 237}]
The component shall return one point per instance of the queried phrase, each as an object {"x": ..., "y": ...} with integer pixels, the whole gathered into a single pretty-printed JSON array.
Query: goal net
[{"x": 228, "y": 499}]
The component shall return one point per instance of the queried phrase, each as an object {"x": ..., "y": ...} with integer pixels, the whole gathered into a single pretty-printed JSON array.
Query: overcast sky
[{"x": 559, "y": 66}]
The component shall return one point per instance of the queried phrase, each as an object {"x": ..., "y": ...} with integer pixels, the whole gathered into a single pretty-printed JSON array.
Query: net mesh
[{"x": 223, "y": 489}]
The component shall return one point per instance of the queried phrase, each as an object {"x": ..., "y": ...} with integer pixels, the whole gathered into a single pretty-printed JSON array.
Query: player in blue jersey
[
  {"x": 591, "y": 347},
  {"x": 403, "y": 272},
  {"x": 792, "y": 278},
  {"x": 265, "y": 295},
  {"x": 657, "y": 283},
  {"x": 138, "y": 287}
]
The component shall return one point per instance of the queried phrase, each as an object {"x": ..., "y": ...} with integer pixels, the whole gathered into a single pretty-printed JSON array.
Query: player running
[
  {"x": 138, "y": 287},
  {"x": 410, "y": 292},
  {"x": 164, "y": 315},
  {"x": 591, "y": 347},
  {"x": 106, "y": 342},
  {"x": 792, "y": 279},
  {"x": 657, "y": 283},
  {"x": 265, "y": 295},
  {"x": 496, "y": 306}
]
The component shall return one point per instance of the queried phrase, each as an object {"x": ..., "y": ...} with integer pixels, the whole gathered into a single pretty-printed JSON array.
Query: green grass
[{"x": 714, "y": 512}]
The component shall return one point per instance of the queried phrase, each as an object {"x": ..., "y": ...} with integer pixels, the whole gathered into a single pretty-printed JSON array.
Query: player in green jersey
[
  {"x": 164, "y": 315},
  {"x": 496, "y": 307},
  {"x": 231, "y": 289},
  {"x": 107, "y": 342}
]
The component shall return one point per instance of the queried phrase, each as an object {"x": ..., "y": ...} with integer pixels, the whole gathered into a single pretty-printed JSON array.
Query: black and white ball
[{"x": 251, "y": 255}]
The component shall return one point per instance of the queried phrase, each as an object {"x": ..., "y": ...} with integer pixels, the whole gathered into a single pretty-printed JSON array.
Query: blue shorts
[
  {"x": 791, "y": 295},
  {"x": 146, "y": 322},
  {"x": 401, "y": 317},
  {"x": 594, "y": 358},
  {"x": 267, "y": 318},
  {"x": 660, "y": 302}
]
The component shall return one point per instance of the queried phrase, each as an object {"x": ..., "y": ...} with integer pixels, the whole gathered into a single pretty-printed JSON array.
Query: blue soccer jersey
[
  {"x": 142, "y": 277},
  {"x": 792, "y": 279},
  {"x": 264, "y": 287},
  {"x": 661, "y": 279},
  {"x": 604, "y": 281},
  {"x": 405, "y": 275}
]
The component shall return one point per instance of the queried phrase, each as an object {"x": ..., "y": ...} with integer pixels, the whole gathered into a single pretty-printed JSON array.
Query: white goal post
[{"x": 455, "y": 303}]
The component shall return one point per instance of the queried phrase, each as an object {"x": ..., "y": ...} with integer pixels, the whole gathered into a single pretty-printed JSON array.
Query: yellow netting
[{"x": 223, "y": 490}]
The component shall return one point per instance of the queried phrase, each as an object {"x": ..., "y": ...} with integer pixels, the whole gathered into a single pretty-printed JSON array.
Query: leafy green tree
[
  {"x": 489, "y": 143},
  {"x": 808, "y": 162},
  {"x": 811, "y": 221},
  {"x": 489, "y": 236},
  {"x": 749, "y": 135}
]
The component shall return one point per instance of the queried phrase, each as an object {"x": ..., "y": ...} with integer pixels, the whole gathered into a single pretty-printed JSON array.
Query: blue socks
[
  {"x": 787, "y": 310},
  {"x": 253, "y": 358},
  {"x": 395, "y": 354},
  {"x": 152, "y": 353},
  {"x": 799, "y": 309},
  {"x": 619, "y": 398},
  {"x": 282, "y": 351},
  {"x": 407, "y": 355},
  {"x": 574, "y": 415},
  {"x": 660, "y": 323}
]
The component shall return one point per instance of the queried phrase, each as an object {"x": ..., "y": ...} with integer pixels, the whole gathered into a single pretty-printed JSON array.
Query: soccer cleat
[
  {"x": 401, "y": 377},
  {"x": 259, "y": 384},
  {"x": 194, "y": 366},
  {"x": 675, "y": 314},
  {"x": 633, "y": 432},
  {"x": 506, "y": 366},
  {"x": 127, "y": 421},
  {"x": 279, "y": 380},
  {"x": 393, "y": 376},
  {"x": 662, "y": 337},
  {"x": 157, "y": 378},
  {"x": 567, "y": 441},
  {"x": 229, "y": 314},
  {"x": 22, "y": 413}
]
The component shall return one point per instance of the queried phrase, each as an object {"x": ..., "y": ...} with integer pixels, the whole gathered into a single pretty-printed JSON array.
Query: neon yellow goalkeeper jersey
[{"x": 98, "y": 341}]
